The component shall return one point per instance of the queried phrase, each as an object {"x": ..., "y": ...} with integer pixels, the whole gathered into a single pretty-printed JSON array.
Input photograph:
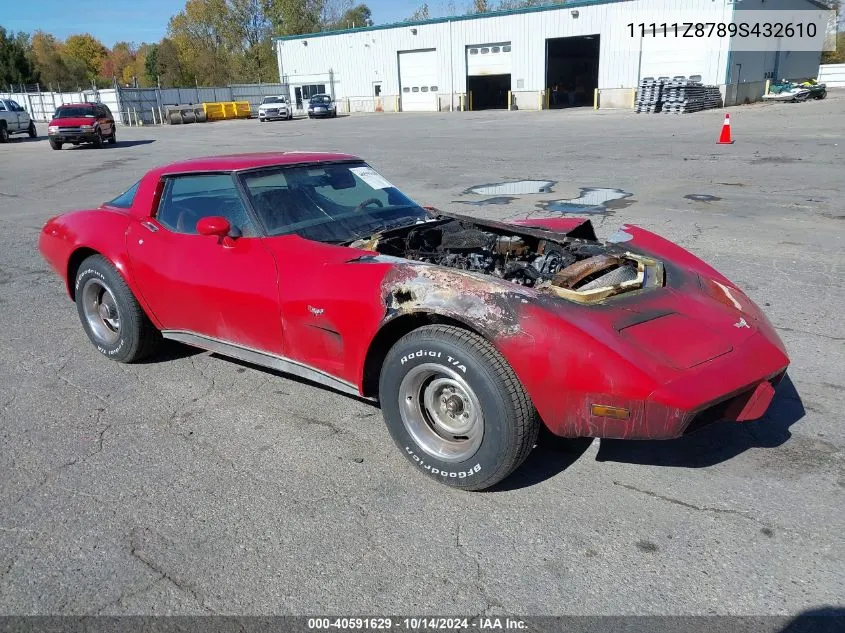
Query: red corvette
[{"x": 470, "y": 333}]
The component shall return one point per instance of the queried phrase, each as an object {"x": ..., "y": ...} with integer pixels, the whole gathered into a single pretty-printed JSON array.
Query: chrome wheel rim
[
  {"x": 101, "y": 311},
  {"x": 441, "y": 412}
]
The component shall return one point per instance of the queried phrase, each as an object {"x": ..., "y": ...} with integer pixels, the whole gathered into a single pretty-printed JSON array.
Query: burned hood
[{"x": 568, "y": 262}]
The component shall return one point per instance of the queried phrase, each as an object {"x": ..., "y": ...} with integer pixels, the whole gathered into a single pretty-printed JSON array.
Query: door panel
[{"x": 198, "y": 284}]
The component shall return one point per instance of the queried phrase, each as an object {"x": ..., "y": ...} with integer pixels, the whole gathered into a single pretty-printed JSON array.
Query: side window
[
  {"x": 2, "y": 107},
  {"x": 15, "y": 107},
  {"x": 188, "y": 199},
  {"x": 124, "y": 200}
]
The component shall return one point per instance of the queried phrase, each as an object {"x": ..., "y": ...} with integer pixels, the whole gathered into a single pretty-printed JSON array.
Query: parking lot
[{"x": 195, "y": 485}]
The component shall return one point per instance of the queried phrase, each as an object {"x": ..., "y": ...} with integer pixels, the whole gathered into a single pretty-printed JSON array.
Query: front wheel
[
  {"x": 98, "y": 139},
  {"x": 455, "y": 408},
  {"x": 55, "y": 144},
  {"x": 110, "y": 314}
]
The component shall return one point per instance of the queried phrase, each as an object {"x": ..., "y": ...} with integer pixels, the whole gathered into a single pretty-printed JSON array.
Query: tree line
[{"x": 209, "y": 43}]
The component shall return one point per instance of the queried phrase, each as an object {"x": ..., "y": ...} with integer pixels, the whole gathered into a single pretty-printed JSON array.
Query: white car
[
  {"x": 14, "y": 120},
  {"x": 275, "y": 107}
]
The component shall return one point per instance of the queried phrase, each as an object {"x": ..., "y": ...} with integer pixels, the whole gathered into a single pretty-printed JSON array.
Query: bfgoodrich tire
[
  {"x": 455, "y": 408},
  {"x": 110, "y": 314}
]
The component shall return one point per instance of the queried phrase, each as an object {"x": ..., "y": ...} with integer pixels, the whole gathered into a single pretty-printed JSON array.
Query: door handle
[{"x": 150, "y": 226}]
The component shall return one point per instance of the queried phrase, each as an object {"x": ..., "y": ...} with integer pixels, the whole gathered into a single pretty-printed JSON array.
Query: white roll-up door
[
  {"x": 489, "y": 59},
  {"x": 418, "y": 80}
]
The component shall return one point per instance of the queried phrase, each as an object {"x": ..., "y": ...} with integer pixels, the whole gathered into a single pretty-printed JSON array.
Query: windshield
[
  {"x": 321, "y": 99},
  {"x": 329, "y": 203},
  {"x": 273, "y": 100},
  {"x": 70, "y": 112}
]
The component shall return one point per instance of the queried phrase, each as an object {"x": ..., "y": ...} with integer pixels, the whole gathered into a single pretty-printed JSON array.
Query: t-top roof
[{"x": 236, "y": 162}]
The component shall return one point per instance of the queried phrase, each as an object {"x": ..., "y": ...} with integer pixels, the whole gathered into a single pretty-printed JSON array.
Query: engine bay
[{"x": 583, "y": 270}]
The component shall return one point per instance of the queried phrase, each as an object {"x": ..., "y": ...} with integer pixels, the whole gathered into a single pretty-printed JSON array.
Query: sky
[{"x": 145, "y": 21}]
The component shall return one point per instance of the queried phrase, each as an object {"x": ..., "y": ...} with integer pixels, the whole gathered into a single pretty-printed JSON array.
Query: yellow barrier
[
  {"x": 214, "y": 111},
  {"x": 242, "y": 109},
  {"x": 227, "y": 110}
]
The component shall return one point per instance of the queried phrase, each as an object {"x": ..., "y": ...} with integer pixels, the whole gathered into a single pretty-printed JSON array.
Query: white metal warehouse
[{"x": 516, "y": 57}]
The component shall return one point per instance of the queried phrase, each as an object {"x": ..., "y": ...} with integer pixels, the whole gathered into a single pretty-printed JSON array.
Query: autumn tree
[
  {"x": 199, "y": 34},
  {"x": 164, "y": 65},
  {"x": 15, "y": 65},
  {"x": 422, "y": 13},
  {"x": 119, "y": 63},
  {"x": 294, "y": 17},
  {"x": 85, "y": 51},
  {"x": 249, "y": 36},
  {"x": 140, "y": 67},
  {"x": 479, "y": 6}
]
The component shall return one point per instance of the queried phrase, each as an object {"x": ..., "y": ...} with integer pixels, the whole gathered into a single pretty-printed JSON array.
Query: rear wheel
[
  {"x": 113, "y": 137},
  {"x": 55, "y": 144},
  {"x": 32, "y": 131},
  {"x": 455, "y": 408},
  {"x": 111, "y": 316},
  {"x": 4, "y": 133}
]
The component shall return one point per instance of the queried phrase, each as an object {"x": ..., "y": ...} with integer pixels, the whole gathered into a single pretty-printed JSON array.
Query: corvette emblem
[{"x": 741, "y": 324}]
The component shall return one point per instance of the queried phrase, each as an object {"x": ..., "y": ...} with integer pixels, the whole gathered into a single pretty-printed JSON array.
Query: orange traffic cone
[{"x": 725, "y": 136}]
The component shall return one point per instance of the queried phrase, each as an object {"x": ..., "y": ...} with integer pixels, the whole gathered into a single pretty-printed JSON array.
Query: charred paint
[{"x": 490, "y": 306}]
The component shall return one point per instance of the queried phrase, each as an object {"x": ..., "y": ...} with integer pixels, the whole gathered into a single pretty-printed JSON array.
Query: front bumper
[
  {"x": 738, "y": 386},
  {"x": 272, "y": 116},
  {"x": 326, "y": 113},
  {"x": 75, "y": 137}
]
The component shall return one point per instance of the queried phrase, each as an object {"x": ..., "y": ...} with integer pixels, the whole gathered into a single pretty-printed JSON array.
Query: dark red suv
[{"x": 82, "y": 123}]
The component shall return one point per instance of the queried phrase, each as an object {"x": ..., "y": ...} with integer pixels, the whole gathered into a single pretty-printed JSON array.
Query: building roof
[{"x": 571, "y": 4}]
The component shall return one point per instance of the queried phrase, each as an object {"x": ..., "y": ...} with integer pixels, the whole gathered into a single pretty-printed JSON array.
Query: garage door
[
  {"x": 489, "y": 59},
  {"x": 418, "y": 80}
]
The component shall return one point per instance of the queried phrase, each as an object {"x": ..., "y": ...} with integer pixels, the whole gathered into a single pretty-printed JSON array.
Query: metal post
[
  {"x": 595, "y": 98},
  {"x": 510, "y": 100}
]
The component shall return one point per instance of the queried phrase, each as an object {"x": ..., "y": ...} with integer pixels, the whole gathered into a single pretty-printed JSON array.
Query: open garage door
[
  {"x": 572, "y": 70},
  {"x": 489, "y": 75},
  {"x": 418, "y": 80}
]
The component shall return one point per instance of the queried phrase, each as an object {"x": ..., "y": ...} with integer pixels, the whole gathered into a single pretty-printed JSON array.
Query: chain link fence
[{"x": 137, "y": 106}]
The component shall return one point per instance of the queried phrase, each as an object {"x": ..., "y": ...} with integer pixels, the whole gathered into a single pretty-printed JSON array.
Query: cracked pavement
[{"x": 196, "y": 485}]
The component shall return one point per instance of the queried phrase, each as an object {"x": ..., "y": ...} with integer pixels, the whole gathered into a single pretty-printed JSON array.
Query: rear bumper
[{"x": 738, "y": 386}]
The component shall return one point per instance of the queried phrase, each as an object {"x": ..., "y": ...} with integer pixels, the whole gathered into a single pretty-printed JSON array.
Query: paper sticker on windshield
[{"x": 371, "y": 177}]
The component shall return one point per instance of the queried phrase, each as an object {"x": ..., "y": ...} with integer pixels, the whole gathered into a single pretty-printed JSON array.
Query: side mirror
[{"x": 214, "y": 225}]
